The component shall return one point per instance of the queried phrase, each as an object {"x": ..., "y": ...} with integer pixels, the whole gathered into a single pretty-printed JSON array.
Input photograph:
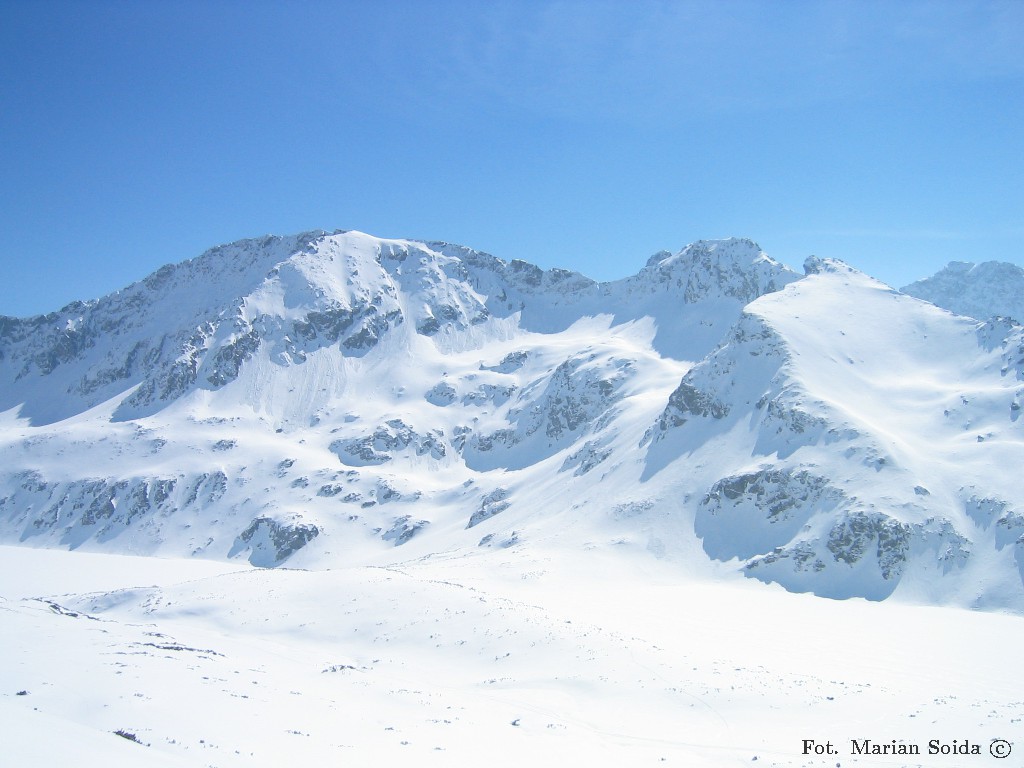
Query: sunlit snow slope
[
  {"x": 339, "y": 399},
  {"x": 543, "y": 656}
]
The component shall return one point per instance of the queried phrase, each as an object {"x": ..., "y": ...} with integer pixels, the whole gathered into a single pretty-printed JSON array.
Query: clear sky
[{"x": 586, "y": 135}]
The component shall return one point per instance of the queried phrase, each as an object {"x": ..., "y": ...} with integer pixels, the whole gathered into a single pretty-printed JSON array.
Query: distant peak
[
  {"x": 734, "y": 267},
  {"x": 659, "y": 257},
  {"x": 815, "y": 265},
  {"x": 726, "y": 250},
  {"x": 959, "y": 267},
  {"x": 727, "y": 245},
  {"x": 975, "y": 290}
]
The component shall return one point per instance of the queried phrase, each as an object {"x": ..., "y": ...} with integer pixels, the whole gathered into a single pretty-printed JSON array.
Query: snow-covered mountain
[
  {"x": 331, "y": 399},
  {"x": 989, "y": 289},
  {"x": 868, "y": 436}
]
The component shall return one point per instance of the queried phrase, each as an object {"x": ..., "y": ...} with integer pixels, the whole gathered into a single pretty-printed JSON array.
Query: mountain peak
[
  {"x": 980, "y": 291},
  {"x": 816, "y": 265},
  {"x": 728, "y": 248},
  {"x": 731, "y": 267}
]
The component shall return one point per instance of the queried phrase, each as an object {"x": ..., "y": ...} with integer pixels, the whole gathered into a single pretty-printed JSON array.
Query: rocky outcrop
[
  {"x": 380, "y": 446},
  {"x": 102, "y": 509},
  {"x": 403, "y": 529},
  {"x": 491, "y": 504},
  {"x": 270, "y": 542},
  {"x": 733, "y": 268},
  {"x": 577, "y": 398},
  {"x": 795, "y": 527},
  {"x": 752, "y": 513}
]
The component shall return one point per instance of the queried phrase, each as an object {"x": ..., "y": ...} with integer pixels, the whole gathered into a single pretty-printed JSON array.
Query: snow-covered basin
[{"x": 559, "y": 657}]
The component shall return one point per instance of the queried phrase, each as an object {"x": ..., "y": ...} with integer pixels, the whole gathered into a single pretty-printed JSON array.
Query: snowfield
[
  {"x": 556, "y": 657},
  {"x": 331, "y": 499}
]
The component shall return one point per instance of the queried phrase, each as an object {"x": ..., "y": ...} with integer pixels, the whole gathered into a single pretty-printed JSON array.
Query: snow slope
[{"x": 543, "y": 655}]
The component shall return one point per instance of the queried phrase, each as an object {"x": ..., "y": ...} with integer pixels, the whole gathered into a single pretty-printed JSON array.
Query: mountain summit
[
  {"x": 333, "y": 398},
  {"x": 989, "y": 289}
]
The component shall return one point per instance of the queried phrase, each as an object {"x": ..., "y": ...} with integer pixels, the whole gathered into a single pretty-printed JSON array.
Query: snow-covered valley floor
[{"x": 500, "y": 658}]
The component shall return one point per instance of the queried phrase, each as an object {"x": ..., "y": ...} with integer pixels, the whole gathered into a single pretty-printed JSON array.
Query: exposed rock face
[
  {"x": 492, "y": 504},
  {"x": 379, "y": 447},
  {"x": 270, "y": 542},
  {"x": 587, "y": 458},
  {"x": 512, "y": 362},
  {"x": 549, "y": 414},
  {"x": 403, "y": 529},
  {"x": 751, "y": 347},
  {"x": 804, "y": 524},
  {"x": 744, "y": 515},
  {"x": 102, "y": 509},
  {"x": 735, "y": 268}
]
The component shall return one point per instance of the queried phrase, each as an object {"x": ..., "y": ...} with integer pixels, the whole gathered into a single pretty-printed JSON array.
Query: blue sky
[{"x": 586, "y": 135}]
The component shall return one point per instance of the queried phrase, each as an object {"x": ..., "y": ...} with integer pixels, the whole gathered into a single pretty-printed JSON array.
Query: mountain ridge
[
  {"x": 338, "y": 398},
  {"x": 982, "y": 291}
]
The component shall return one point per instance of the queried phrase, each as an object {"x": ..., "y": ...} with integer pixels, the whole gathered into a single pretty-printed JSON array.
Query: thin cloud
[{"x": 647, "y": 61}]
